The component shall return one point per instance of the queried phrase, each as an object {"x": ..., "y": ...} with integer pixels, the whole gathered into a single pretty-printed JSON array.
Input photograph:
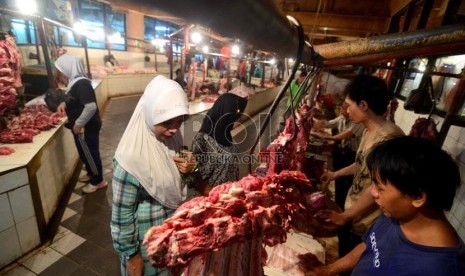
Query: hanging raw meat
[
  {"x": 260, "y": 209},
  {"x": 252, "y": 208},
  {"x": 287, "y": 151},
  {"x": 10, "y": 70}
]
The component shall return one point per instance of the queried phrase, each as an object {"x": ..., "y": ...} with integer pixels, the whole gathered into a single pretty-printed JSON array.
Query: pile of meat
[
  {"x": 10, "y": 70},
  {"x": 31, "y": 121},
  {"x": 252, "y": 208}
]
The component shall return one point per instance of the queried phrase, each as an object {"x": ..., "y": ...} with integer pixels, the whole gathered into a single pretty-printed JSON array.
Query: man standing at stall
[
  {"x": 348, "y": 140},
  {"x": 367, "y": 100}
]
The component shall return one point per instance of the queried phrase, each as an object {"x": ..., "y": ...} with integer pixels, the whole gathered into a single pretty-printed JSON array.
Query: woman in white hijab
[
  {"x": 83, "y": 117},
  {"x": 147, "y": 183}
]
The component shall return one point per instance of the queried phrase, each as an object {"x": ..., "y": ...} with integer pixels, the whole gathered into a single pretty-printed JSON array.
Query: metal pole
[
  {"x": 156, "y": 61},
  {"x": 171, "y": 57},
  {"x": 36, "y": 31},
  {"x": 424, "y": 42},
  {"x": 84, "y": 43},
  {"x": 48, "y": 65}
]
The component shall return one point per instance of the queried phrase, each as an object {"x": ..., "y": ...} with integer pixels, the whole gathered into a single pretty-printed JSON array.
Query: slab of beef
[
  {"x": 6, "y": 150},
  {"x": 15, "y": 136},
  {"x": 10, "y": 69},
  {"x": 251, "y": 208},
  {"x": 287, "y": 151}
]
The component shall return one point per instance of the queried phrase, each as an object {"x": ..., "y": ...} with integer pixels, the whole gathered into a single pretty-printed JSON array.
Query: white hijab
[
  {"x": 72, "y": 67},
  {"x": 144, "y": 156}
]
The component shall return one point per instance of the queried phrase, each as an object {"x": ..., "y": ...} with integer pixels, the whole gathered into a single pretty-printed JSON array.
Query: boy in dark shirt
[{"x": 414, "y": 183}]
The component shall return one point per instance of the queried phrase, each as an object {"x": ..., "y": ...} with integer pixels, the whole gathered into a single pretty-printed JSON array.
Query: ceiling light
[
  {"x": 27, "y": 6},
  {"x": 196, "y": 37},
  {"x": 115, "y": 37},
  {"x": 79, "y": 28},
  {"x": 235, "y": 50}
]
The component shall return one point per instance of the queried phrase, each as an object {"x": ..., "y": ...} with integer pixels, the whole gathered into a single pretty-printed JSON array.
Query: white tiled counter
[
  {"x": 127, "y": 84},
  {"x": 32, "y": 182},
  {"x": 261, "y": 100}
]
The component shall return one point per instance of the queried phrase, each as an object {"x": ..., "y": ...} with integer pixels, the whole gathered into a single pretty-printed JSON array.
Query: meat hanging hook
[{"x": 281, "y": 93}]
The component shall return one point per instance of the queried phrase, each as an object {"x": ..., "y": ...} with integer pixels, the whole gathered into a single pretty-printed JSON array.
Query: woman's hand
[
  {"x": 328, "y": 176},
  {"x": 61, "y": 109},
  {"x": 77, "y": 129},
  {"x": 135, "y": 265},
  {"x": 187, "y": 163}
]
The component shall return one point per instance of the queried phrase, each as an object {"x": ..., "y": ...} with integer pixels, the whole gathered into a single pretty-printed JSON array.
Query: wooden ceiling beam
[
  {"x": 369, "y": 24},
  {"x": 397, "y": 5}
]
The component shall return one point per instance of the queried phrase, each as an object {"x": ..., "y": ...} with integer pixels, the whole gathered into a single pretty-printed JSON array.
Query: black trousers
[
  {"x": 87, "y": 145},
  {"x": 347, "y": 240},
  {"x": 342, "y": 158}
]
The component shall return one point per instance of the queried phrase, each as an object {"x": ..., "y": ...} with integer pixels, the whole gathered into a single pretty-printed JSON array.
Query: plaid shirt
[{"x": 134, "y": 212}]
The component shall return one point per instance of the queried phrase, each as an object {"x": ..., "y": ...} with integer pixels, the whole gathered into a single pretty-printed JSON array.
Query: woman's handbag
[{"x": 421, "y": 100}]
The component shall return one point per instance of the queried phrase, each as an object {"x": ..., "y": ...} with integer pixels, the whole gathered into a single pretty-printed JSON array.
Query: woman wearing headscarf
[
  {"x": 83, "y": 117},
  {"x": 213, "y": 145},
  {"x": 147, "y": 184},
  {"x": 218, "y": 163}
]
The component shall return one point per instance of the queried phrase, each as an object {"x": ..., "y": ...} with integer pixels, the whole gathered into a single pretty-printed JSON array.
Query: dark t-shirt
[
  {"x": 82, "y": 93},
  {"x": 390, "y": 253}
]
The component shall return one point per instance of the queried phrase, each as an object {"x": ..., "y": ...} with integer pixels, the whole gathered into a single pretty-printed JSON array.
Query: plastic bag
[{"x": 425, "y": 128}]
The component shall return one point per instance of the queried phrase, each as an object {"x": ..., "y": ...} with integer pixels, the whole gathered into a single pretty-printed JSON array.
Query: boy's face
[
  {"x": 354, "y": 110},
  {"x": 392, "y": 202}
]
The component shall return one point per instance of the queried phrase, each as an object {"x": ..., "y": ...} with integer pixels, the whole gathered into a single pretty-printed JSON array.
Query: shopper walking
[{"x": 80, "y": 106}]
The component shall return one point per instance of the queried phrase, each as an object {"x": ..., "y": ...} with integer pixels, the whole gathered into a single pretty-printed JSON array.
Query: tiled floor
[{"x": 82, "y": 245}]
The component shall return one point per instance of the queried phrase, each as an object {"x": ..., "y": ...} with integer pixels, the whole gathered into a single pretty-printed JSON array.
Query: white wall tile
[
  {"x": 21, "y": 203},
  {"x": 11, "y": 249},
  {"x": 6, "y": 215},
  {"x": 455, "y": 145},
  {"x": 460, "y": 211},
  {"x": 13, "y": 180},
  {"x": 454, "y": 132},
  {"x": 454, "y": 222},
  {"x": 28, "y": 234},
  {"x": 461, "y": 231}
]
